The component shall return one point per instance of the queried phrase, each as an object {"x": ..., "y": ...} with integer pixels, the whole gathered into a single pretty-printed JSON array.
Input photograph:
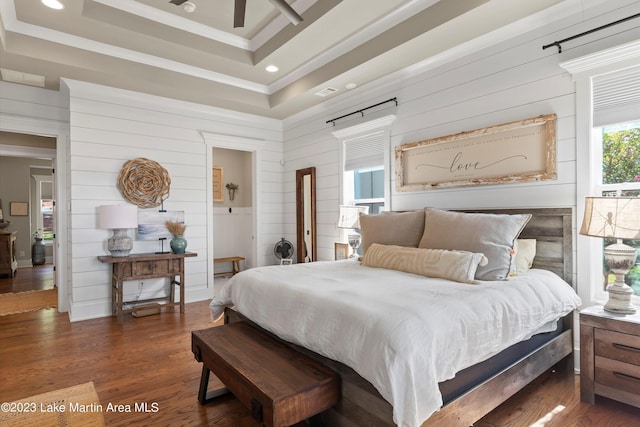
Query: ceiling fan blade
[
  {"x": 287, "y": 11},
  {"x": 238, "y": 13},
  {"x": 177, "y": 2}
]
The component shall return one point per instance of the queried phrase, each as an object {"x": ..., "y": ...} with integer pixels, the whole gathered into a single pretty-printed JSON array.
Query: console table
[{"x": 146, "y": 266}]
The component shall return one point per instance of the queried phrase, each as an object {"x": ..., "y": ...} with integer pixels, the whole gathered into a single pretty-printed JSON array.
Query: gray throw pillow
[
  {"x": 392, "y": 228},
  {"x": 493, "y": 235}
]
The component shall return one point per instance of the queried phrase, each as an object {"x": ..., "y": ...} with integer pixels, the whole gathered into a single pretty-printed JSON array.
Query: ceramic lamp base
[
  {"x": 619, "y": 299},
  {"x": 120, "y": 244},
  {"x": 354, "y": 242},
  {"x": 620, "y": 258}
]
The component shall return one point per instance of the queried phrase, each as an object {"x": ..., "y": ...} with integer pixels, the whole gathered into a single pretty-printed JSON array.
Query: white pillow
[
  {"x": 458, "y": 266},
  {"x": 526, "y": 252}
]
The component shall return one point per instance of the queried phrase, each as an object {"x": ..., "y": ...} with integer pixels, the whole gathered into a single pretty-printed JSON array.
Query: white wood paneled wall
[
  {"x": 32, "y": 110},
  {"x": 109, "y": 127},
  {"x": 513, "y": 79}
]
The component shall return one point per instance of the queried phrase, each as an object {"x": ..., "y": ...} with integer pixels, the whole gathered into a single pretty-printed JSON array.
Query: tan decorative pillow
[
  {"x": 392, "y": 228},
  {"x": 458, "y": 266},
  {"x": 493, "y": 235}
]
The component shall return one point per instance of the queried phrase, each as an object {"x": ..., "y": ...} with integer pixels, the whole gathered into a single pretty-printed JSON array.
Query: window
[
  {"x": 607, "y": 84},
  {"x": 616, "y": 143},
  {"x": 364, "y": 171},
  {"x": 618, "y": 157},
  {"x": 368, "y": 188},
  {"x": 44, "y": 216},
  {"x": 46, "y": 211},
  {"x": 364, "y": 175}
]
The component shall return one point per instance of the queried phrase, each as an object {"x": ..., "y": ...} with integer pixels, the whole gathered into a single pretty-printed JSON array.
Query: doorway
[
  {"x": 233, "y": 218},
  {"x": 26, "y": 181},
  {"x": 253, "y": 150}
]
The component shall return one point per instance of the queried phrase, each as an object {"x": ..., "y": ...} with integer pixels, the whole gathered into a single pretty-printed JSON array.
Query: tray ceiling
[{"x": 156, "y": 47}]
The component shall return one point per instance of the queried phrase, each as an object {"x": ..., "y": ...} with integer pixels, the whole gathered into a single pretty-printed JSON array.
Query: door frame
[
  {"x": 215, "y": 140},
  {"x": 60, "y": 131}
]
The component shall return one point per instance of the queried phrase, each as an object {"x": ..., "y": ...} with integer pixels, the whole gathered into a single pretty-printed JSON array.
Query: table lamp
[
  {"x": 615, "y": 218},
  {"x": 350, "y": 219},
  {"x": 119, "y": 218}
]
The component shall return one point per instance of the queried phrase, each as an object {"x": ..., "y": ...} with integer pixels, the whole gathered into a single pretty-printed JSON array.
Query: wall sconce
[{"x": 232, "y": 189}]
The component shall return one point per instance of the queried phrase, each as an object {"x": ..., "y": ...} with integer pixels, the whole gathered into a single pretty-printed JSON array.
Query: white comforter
[{"x": 402, "y": 332}]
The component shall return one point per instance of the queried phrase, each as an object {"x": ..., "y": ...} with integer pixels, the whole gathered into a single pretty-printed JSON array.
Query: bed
[{"x": 509, "y": 348}]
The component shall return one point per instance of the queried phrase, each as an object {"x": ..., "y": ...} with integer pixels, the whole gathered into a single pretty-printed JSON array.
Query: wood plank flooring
[
  {"x": 149, "y": 360},
  {"x": 33, "y": 278}
]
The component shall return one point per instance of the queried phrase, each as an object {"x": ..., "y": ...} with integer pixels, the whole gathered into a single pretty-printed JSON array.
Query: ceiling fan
[{"x": 240, "y": 6}]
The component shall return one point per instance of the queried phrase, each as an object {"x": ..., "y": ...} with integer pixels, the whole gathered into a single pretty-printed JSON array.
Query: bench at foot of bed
[{"x": 279, "y": 385}]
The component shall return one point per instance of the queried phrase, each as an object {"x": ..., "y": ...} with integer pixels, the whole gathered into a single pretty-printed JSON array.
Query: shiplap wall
[
  {"x": 512, "y": 80},
  {"x": 32, "y": 110},
  {"x": 109, "y": 127}
]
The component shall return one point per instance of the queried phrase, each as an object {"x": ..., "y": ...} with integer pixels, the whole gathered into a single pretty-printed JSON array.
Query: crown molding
[{"x": 613, "y": 59}]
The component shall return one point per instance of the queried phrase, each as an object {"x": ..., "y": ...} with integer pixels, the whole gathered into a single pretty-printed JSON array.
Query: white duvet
[{"x": 402, "y": 332}]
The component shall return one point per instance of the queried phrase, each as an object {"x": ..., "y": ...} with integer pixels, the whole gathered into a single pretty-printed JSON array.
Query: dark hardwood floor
[
  {"x": 33, "y": 278},
  {"x": 149, "y": 359}
]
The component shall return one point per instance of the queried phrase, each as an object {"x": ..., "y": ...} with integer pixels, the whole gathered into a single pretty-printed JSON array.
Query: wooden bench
[
  {"x": 278, "y": 384},
  {"x": 235, "y": 264}
]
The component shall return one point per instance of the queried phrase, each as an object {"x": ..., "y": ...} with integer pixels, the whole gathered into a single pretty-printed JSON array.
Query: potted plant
[{"x": 178, "y": 243}]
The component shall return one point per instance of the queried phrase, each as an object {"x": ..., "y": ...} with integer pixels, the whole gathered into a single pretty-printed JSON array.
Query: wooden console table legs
[{"x": 145, "y": 267}]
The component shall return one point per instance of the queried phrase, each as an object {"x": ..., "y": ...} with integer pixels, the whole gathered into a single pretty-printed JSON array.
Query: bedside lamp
[
  {"x": 615, "y": 218},
  {"x": 350, "y": 219},
  {"x": 119, "y": 218}
]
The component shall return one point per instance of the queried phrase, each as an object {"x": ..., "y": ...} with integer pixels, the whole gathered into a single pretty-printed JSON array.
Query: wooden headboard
[{"x": 552, "y": 229}]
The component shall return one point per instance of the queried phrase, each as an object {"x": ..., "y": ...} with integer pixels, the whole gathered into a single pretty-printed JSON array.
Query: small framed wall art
[
  {"x": 341, "y": 251},
  {"x": 19, "y": 208},
  {"x": 218, "y": 189}
]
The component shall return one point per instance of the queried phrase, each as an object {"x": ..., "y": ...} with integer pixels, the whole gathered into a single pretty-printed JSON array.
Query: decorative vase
[
  {"x": 38, "y": 252},
  {"x": 178, "y": 244}
]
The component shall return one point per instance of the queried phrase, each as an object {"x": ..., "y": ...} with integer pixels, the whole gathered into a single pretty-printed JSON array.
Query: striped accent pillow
[{"x": 459, "y": 266}]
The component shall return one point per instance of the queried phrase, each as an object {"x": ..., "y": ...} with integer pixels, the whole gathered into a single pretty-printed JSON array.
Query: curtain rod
[
  {"x": 559, "y": 42},
  {"x": 362, "y": 110}
]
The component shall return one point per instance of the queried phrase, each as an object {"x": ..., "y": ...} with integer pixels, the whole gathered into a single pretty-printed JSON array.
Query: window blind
[
  {"x": 364, "y": 152},
  {"x": 616, "y": 97}
]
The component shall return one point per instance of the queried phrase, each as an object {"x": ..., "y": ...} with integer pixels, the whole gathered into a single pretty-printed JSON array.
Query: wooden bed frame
[{"x": 362, "y": 405}]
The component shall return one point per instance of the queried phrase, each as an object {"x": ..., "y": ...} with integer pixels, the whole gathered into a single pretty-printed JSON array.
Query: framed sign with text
[
  {"x": 520, "y": 151},
  {"x": 218, "y": 189}
]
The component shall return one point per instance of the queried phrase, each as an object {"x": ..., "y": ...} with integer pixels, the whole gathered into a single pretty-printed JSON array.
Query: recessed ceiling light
[
  {"x": 351, "y": 85},
  {"x": 271, "y": 68},
  {"x": 189, "y": 7},
  {"x": 53, "y": 4}
]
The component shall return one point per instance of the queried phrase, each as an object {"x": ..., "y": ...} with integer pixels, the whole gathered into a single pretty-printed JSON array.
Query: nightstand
[{"x": 609, "y": 356}]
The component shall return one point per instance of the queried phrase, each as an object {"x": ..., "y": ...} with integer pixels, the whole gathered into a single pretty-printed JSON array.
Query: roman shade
[{"x": 364, "y": 152}]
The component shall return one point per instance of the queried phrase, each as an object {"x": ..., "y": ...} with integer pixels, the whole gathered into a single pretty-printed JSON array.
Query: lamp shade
[
  {"x": 118, "y": 216},
  {"x": 350, "y": 216},
  {"x": 612, "y": 217}
]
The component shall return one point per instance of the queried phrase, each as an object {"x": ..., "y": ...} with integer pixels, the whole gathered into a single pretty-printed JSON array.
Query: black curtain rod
[
  {"x": 558, "y": 43},
  {"x": 361, "y": 111}
]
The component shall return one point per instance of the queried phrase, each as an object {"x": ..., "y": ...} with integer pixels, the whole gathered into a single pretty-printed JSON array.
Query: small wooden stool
[
  {"x": 235, "y": 264},
  {"x": 280, "y": 385}
]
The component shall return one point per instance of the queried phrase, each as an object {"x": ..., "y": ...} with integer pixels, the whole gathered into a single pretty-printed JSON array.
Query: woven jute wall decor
[{"x": 144, "y": 182}]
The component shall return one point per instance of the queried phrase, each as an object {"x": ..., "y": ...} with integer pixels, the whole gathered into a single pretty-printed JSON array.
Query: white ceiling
[{"x": 156, "y": 47}]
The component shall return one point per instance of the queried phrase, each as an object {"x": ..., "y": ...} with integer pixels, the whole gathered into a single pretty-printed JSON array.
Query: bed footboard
[
  {"x": 362, "y": 405},
  {"x": 481, "y": 400}
]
